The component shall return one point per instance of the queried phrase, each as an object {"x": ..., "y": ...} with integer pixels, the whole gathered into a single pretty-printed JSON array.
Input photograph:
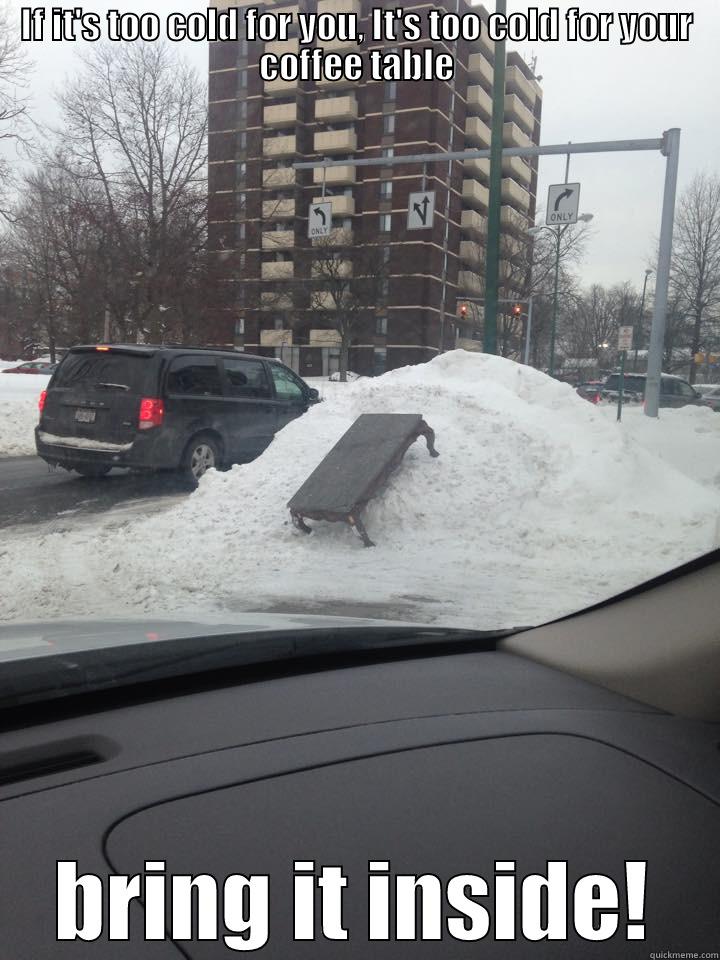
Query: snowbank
[
  {"x": 19, "y": 394},
  {"x": 539, "y": 504}
]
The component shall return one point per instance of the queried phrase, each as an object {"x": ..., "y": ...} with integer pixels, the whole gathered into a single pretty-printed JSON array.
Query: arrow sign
[
  {"x": 563, "y": 204},
  {"x": 562, "y": 196},
  {"x": 421, "y": 210},
  {"x": 319, "y": 220}
]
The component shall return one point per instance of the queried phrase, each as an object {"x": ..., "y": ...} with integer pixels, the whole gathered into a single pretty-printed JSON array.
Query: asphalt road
[{"x": 30, "y": 492}]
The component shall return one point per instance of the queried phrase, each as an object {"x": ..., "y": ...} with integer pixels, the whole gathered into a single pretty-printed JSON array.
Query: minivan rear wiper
[{"x": 113, "y": 386}]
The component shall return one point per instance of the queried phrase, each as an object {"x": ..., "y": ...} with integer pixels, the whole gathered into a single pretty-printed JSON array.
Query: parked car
[
  {"x": 590, "y": 390},
  {"x": 335, "y": 377},
  {"x": 160, "y": 408},
  {"x": 674, "y": 391},
  {"x": 710, "y": 393},
  {"x": 33, "y": 366}
]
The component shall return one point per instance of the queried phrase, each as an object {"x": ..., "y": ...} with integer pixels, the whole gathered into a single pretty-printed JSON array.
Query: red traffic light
[
  {"x": 517, "y": 310},
  {"x": 463, "y": 311}
]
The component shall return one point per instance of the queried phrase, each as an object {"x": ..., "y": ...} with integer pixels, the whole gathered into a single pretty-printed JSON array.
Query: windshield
[{"x": 309, "y": 365}]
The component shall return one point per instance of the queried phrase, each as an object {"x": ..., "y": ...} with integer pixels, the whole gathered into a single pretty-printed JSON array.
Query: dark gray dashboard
[{"x": 442, "y": 764}]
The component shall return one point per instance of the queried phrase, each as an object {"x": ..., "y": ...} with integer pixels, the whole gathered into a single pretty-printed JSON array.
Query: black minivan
[{"x": 164, "y": 408}]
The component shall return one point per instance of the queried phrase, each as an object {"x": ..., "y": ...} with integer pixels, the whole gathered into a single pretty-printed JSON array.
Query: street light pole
[{"x": 642, "y": 314}]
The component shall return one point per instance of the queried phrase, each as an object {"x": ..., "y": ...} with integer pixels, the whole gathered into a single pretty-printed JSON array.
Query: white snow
[
  {"x": 539, "y": 504},
  {"x": 19, "y": 394}
]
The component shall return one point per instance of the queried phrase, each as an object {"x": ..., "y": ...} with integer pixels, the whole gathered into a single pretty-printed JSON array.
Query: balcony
[
  {"x": 341, "y": 206},
  {"x": 334, "y": 176},
  {"x": 477, "y": 169},
  {"x": 513, "y": 136},
  {"x": 336, "y": 238},
  {"x": 473, "y": 224},
  {"x": 516, "y": 168},
  {"x": 514, "y": 221},
  {"x": 479, "y": 102},
  {"x": 514, "y": 194},
  {"x": 515, "y": 109},
  {"x": 278, "y": 209},
  {"x": 281, "y": 115},
  {"x": 276, "y": 178},
  {"x": 280, "y": 146},
  {"x": 280, "y": 88},
  {"x": 477, "y": 133},
  {"x": 470, "y": 252},
  {"x": 486, "y": 44},
  {"x": 324, "y": 301},
  {"x": 276, "y": 338},
  {"x": 475, "y": 194},
  {"x": 270, "y": 300},
  {"x": 469, "y": 282},
  {"x": 332, "y": 46},
  {"x": 517, "y": 82},
  {"x": 343, "y": 268},
  {"x": 339, "y": 6},
  {"x": 335, "y": 141},
  {"x": 337, "y": 108},
  {"x": 325, "y": 338},
  {"x": 277, "y": 270},
  {"x": 278, "y": 239},
  {"x": 480, "y": 68}
]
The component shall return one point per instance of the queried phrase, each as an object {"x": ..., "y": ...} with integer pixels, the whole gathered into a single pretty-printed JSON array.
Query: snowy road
[{"x": 32, "y": 493}]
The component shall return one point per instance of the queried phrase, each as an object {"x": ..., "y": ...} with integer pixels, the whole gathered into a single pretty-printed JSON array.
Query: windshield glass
[{"x": 354, "y": 348}]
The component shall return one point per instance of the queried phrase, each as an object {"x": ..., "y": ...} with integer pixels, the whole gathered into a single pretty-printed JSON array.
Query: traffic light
[
  {"x": 463, "y": 312},
  {"x": 517, "y": 310}
]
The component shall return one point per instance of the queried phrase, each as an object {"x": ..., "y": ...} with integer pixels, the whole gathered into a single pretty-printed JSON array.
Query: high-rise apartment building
[{"x": 258, "y": 203}]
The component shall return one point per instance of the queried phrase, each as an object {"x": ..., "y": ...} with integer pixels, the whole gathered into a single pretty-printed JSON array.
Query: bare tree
[
  {"x": 135, "y": 127},
  {"x": 348, "y": 279},
  {"x": 14, "y": 68},
  {"x": 696, "y": 258}
]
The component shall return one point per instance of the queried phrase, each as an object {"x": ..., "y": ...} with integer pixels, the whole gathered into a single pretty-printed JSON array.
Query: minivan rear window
[{"x": 108, "y": 371}]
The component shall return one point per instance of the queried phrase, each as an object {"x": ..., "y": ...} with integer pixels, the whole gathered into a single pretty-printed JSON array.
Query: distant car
[
  {"x": 335, "y": 377},
  {"x": 674, "y": 391},
  {"x": 155, "y": 408},
  {"x": 33, "y": 366},
  {"x": 710, "y": 393},
  {"x": 590, "y": 390}
]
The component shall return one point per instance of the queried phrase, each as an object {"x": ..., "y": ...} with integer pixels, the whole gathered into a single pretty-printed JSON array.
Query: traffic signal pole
[
  {"x": 668, "y": 145},
  {"x": 492, "y": 251}
]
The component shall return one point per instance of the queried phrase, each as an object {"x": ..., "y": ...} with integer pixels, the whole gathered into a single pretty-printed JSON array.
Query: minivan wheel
[
  {"x": 201, "y": 455},
  {"x": 95, "y": 470}
]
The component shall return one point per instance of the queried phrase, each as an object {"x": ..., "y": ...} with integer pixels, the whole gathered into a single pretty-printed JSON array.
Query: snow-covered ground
[
  {"x": 19, "y": 394},
  {"x": 539, "y": 504}
]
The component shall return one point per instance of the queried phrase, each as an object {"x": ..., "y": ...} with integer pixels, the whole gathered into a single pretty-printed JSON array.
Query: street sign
[
  {"x": 319, "y": 220},
  {"x": 625, "y": 338},
  {"x": 421, "y": 210},
  {"x": 563, "y": 204}
]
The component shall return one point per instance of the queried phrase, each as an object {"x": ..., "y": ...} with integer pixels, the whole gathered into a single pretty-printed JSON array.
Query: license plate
[{"x": 85, "y": 416}]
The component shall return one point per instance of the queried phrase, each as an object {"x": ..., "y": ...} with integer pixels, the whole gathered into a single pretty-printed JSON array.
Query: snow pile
[
  {"x": 19, "y": 394},
  {"x": 538, "y": 505}
]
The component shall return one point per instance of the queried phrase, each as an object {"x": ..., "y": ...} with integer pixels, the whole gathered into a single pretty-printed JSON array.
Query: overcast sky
[{"x": 592, "y": 91}]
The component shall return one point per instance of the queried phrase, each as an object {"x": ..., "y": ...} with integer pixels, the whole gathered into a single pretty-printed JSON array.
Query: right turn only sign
[{"x": 563, "y": 204}]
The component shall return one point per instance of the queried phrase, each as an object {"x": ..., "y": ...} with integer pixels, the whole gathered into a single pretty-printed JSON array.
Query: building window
[
  {"x": 389, "y": 123},
  {"x": 242, "y": 79},
  {"x": 388, "y": 152},
  {"x": 386, "y": 189},
  {"x": 386, "y": 255},
  {"x": 239, "y": 327},
  {"x": 379, "y": 360},
  {"x": 240, "y": 231},
  {"x": 241, "y": 171},
  {"x": 242, "y": 140},
  {"x": 381, "y": 326},
  {"x": 385, "y": 222},
  {"x": 390, "y": 92}
]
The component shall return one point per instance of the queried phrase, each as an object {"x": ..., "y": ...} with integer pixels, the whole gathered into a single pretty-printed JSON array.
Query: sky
[{"x": 592, "y": 92}]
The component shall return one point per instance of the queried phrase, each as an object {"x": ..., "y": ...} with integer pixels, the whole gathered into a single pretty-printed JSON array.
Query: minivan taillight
[
  {"x": 152, "y": 412},
  {"x": 41, "y": 400}
]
